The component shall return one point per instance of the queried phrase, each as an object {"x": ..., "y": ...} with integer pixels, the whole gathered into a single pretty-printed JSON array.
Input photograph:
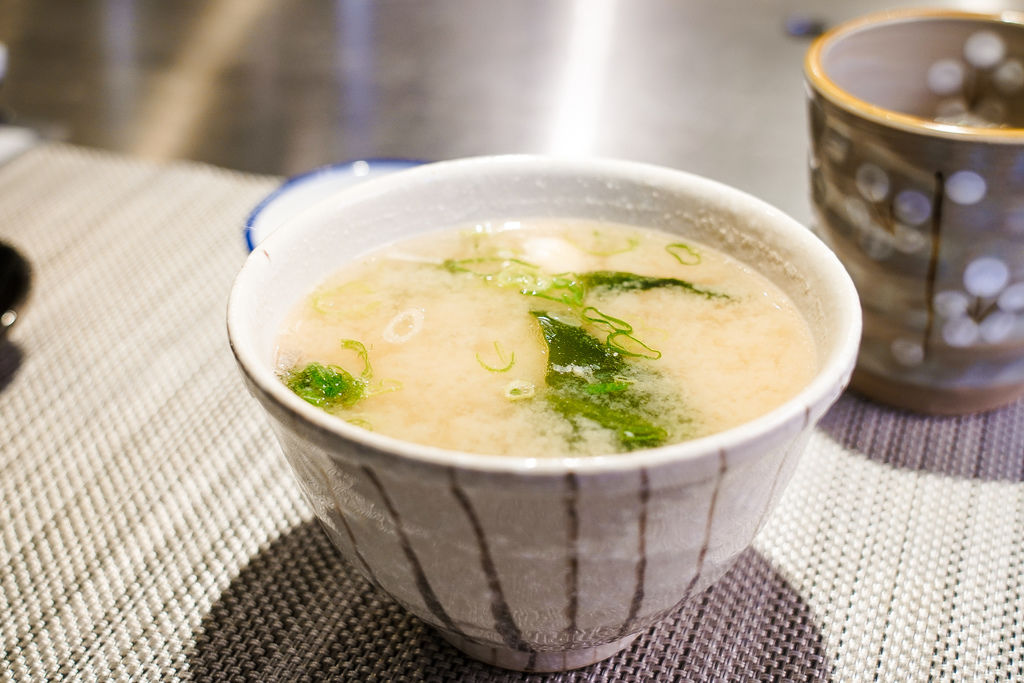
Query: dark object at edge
[{"x": 15, "y": 281}]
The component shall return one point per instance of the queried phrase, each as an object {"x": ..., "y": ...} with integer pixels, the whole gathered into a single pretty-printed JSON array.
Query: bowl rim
[
  {"x": 800, "y": 410},
  {"x": 820, "y": 82},
  {"x": 352, "y": 169}
]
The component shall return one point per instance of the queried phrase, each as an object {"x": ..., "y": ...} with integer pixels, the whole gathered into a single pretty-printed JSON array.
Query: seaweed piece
[
  {"x": 631, "y": 282},
  {"x": 586, "y": 379},
  {"x": 572, "y": 289},
  {"x": 573, "y": 352},
  {"x": 633, "y": 430}
]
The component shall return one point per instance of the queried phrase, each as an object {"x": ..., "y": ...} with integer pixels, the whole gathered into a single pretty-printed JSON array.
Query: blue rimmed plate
[{"x": 301, "y": 191}]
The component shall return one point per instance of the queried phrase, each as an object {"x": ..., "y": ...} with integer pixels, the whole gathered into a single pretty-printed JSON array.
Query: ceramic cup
[
  {"x": 525, "y": 562},
  {"x": 917, "y": 175}
]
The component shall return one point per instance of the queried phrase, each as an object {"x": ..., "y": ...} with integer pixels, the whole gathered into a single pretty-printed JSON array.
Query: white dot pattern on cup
[
  {"x": 992, "y": 109},
  {"x": 1012, "y": 298},
  {"x": 1009, "y": 77},
  {"x": 872, "y": 182},
  {"x": 946, "y": 76},
  {"x": 987, "y": 311},
  {"x": 856, "y": 211},
  {"x": 997, "y": 326},
  {"x": 961, "y": 331},
  {"x": 908, "y": 240},
  {"x": 986, "y": 276},
  {"x": 836, "y": 145},
  {"x": 951, "y": 303},
  {"x": 907, "y": 352},
  {"x": 952, "y": 109},
  {"x": 966, "y": 187},
  {"x": 877, "y": 243},
  {"x": 984, "y": 49},
  {"x": 1014, "y": 221},
  {"x": 912, "y": 207},
  {"x": 974, "y": 86}
]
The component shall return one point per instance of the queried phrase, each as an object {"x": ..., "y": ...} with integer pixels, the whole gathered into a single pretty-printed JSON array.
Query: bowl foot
[
  {"x": 538, "y": 662},
  {"x": 931, "y": 400}
]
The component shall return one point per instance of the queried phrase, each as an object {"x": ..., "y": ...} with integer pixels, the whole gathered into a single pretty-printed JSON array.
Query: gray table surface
[{"x": 276, "y": 86}]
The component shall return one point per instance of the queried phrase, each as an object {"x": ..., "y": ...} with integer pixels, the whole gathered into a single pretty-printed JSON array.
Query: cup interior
[{"x": 952, "y": 68}]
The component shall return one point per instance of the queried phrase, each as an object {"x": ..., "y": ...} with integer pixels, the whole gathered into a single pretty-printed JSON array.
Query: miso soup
[{"x": 546, "y": 338}]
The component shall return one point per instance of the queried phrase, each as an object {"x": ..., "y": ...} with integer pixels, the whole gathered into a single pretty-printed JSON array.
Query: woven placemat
[{"x": 151, "y": 530}]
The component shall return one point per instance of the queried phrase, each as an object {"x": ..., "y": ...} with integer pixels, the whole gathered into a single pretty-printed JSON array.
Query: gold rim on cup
[{"x": 815, "y": 73}]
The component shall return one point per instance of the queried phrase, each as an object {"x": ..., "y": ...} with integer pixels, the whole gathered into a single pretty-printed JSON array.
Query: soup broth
[{"x": 546, "y": 338}]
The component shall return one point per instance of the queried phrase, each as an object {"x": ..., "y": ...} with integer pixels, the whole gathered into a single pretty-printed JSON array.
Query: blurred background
[{"x": 281, "y": 86}]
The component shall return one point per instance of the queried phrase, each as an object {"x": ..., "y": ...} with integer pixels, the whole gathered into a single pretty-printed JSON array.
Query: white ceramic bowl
[
  {"x": 523, "y": 562},
  {"x": 299, "y": 192}
]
